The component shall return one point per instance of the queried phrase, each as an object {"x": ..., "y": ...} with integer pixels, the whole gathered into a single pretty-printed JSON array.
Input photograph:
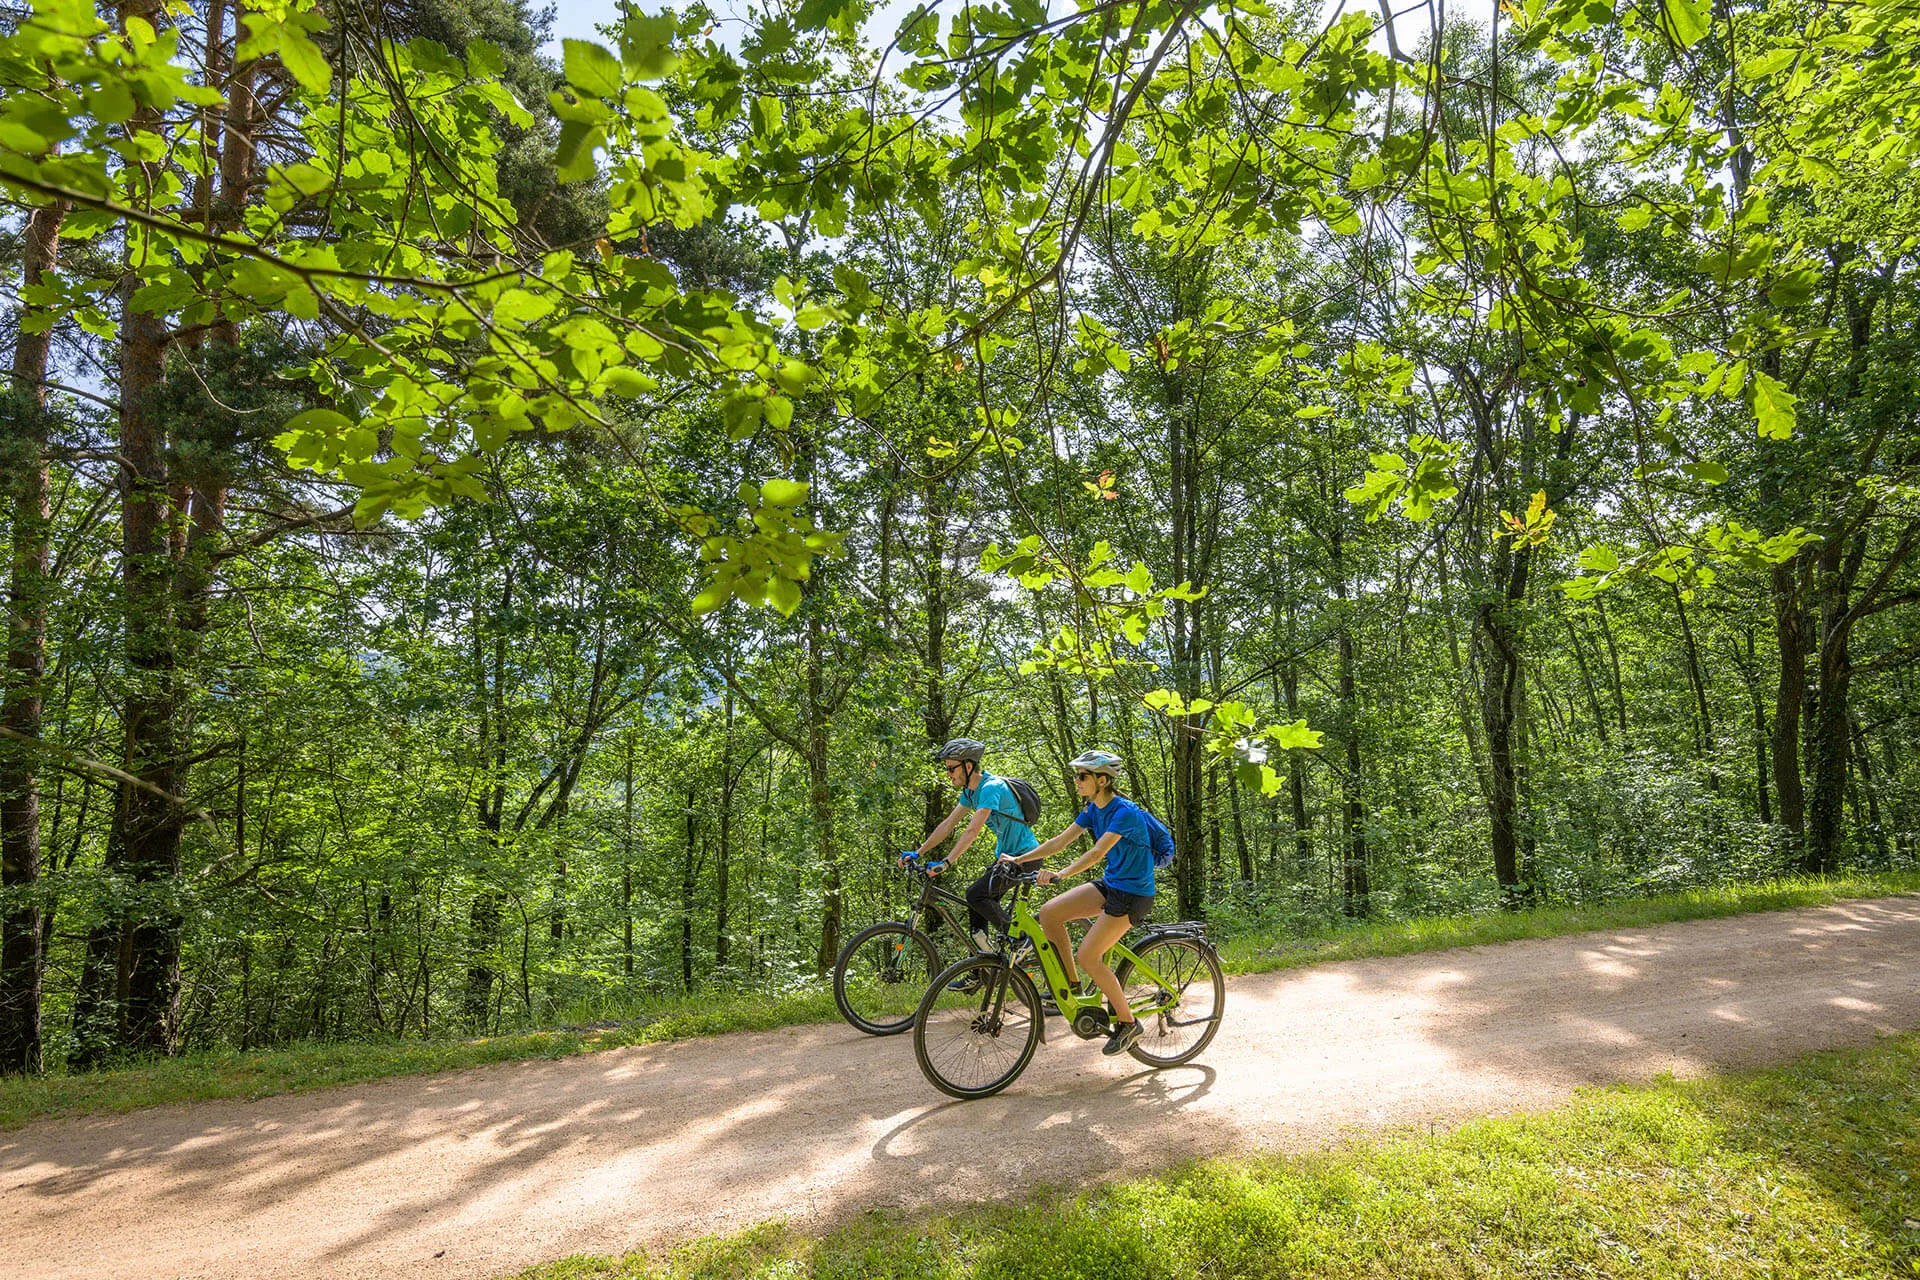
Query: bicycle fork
[{"x": 993, "y": 1008}]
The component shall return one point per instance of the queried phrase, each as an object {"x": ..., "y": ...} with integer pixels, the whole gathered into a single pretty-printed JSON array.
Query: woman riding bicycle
[{"x": 1122, "y": 897}]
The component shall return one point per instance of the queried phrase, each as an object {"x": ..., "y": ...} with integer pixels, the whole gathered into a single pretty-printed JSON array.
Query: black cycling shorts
[{"x": 1134, "y": 906}]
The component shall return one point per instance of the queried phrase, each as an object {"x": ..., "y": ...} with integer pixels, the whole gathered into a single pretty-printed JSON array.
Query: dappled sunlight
[
  {"x": 510, "y": 1164},
  {"x": 1443, "y": 978},
  {"x": 1600, "y": 963}
]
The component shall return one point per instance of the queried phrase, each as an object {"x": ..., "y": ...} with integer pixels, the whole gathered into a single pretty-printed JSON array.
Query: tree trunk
[
  {"x": 1830, "y": 746},
  {"x": 936, "y": 717},
  {"x": 23, "y": 451},
  {"x": 725, "y": 853},
  {"x": 130, "y": 980},
  {"x": 1586, "y": 681},
  {"x": 626, "y": 868},
  {"x": 1497, "y": 634},
  {"x": 1297, "y": 782},
  {"x": 689, "y": 869},
  {"x": 1789, "y": 704},
  {"x": 483, "y": 915},
  {"x": 1749, "y": 672},
  {"x": 1188, "y": 732},
  {"x": 1697, "y": 680},
  {"x": 1356, "y": 889},
  {"x": 820, "y": 786}
]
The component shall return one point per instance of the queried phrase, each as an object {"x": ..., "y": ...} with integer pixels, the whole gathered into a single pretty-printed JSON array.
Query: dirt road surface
[{"x": 478, "y": 1173}]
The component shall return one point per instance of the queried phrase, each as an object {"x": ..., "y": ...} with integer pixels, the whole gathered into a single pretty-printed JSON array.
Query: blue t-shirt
[
  {"x": 1130, "y": 862},
  {"x": 1011, "y": 836}
]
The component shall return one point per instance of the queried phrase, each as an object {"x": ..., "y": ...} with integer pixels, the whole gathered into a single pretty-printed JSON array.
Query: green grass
[
  {"x": 1809, "y": 1170},
  {"x": 232, "y": 1074},
  {"x": 1264, "y": 952},
  {"x": 260, "y": 1073}
]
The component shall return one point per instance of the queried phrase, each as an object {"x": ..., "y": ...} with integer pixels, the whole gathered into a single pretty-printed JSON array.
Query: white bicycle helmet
[{"x": 1097, "y": 761}]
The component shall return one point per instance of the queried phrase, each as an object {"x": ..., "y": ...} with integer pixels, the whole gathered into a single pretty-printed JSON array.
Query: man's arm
[
  {"x": 968, "y": 836},
  {"x": 939, "y": 834}
]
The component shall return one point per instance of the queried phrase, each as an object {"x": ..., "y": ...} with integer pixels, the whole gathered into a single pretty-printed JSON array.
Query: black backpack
[{"x": 1029, "y": 799}]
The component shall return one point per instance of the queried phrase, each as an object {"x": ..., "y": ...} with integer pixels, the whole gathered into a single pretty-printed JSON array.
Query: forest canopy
[{"x": 495, "y": 533}]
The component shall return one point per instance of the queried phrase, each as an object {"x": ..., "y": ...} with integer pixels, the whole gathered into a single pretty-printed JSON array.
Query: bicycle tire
[
  {"x": 952, "y": 1029},
  {"x": 1168, "y": 1038},
  {"x": 868, "y": 988}
]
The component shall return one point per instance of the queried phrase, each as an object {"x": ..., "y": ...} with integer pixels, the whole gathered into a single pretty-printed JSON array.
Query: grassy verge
[
  {"x": 1807, "y": 1170},
  {"x": 257, "y": 1074},
  {"x": 1264, "y": 952},
  {"x": 231, "y": 1074}
]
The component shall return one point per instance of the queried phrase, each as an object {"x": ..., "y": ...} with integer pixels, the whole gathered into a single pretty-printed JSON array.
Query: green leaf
[
  {"x": 303, "y": 57},
  {"x": 629, "y": 383},
  {"x": 1687, "y": 20},
  {"x": 573, "y": 151},
  {"x": 1773, "y": 406},
  {"x": 1599, "y": 559},
  {"x": 1293, "y": 737},
  {"x": 780, "y": 492},
  {"x": 646, "y": 44},
  {"x": 591, "y": 69},
  {"x": 783, "y": 593},
  {"x": 1795, "y": 289},
  {"x": 319, "y": 421}
]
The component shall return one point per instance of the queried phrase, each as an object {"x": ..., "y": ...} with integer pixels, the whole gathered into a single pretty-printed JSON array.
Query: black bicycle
[{"x": 884, "y": 969}]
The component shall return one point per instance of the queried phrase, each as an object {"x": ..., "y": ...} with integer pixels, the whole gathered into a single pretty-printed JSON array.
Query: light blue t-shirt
[
  {"x": 1130, "y": 862},
  {"x": 1012, "y": 837}
]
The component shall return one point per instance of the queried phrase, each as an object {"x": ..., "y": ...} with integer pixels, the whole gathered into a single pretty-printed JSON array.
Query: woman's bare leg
[
  {"x": 1076, "y": 903},
  {"x": 1101, "y": 935}
]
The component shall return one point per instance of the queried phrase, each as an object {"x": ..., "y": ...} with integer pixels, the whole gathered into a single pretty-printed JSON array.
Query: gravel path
[{"x": 479, "y": 1173}]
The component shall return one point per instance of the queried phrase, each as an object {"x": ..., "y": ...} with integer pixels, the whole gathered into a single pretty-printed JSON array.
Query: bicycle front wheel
[
  {"x": 977, "y": 1027},
  {"x": 1193, "y": 991},
  {"x": 880, "y": 976}
]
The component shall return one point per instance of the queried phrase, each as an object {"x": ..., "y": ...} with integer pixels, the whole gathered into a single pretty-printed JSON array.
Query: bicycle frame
[
  {"x": 938, "y": 899},
  {"x": 941, "y": 901},
  {"x": 1069, "y": 1002}
]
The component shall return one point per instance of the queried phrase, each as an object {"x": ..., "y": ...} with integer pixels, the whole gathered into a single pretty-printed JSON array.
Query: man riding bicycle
[{"x": 994, "y": 806}]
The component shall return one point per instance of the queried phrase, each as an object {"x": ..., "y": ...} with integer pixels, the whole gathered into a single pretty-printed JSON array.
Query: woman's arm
[
  {"x": 1085, "y": 860},
  {"x": 1040, "y": 853}
]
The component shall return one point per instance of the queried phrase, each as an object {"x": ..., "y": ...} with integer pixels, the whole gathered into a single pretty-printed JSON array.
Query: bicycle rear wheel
[
  {"x": 1192, "y": 979},
  {"x": 974, "y": 1042},
  {"x": 880, "y": 976}
]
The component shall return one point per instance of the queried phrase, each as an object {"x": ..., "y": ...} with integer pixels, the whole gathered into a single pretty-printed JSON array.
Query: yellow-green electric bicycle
[{"x": 982, "y": 1018}]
